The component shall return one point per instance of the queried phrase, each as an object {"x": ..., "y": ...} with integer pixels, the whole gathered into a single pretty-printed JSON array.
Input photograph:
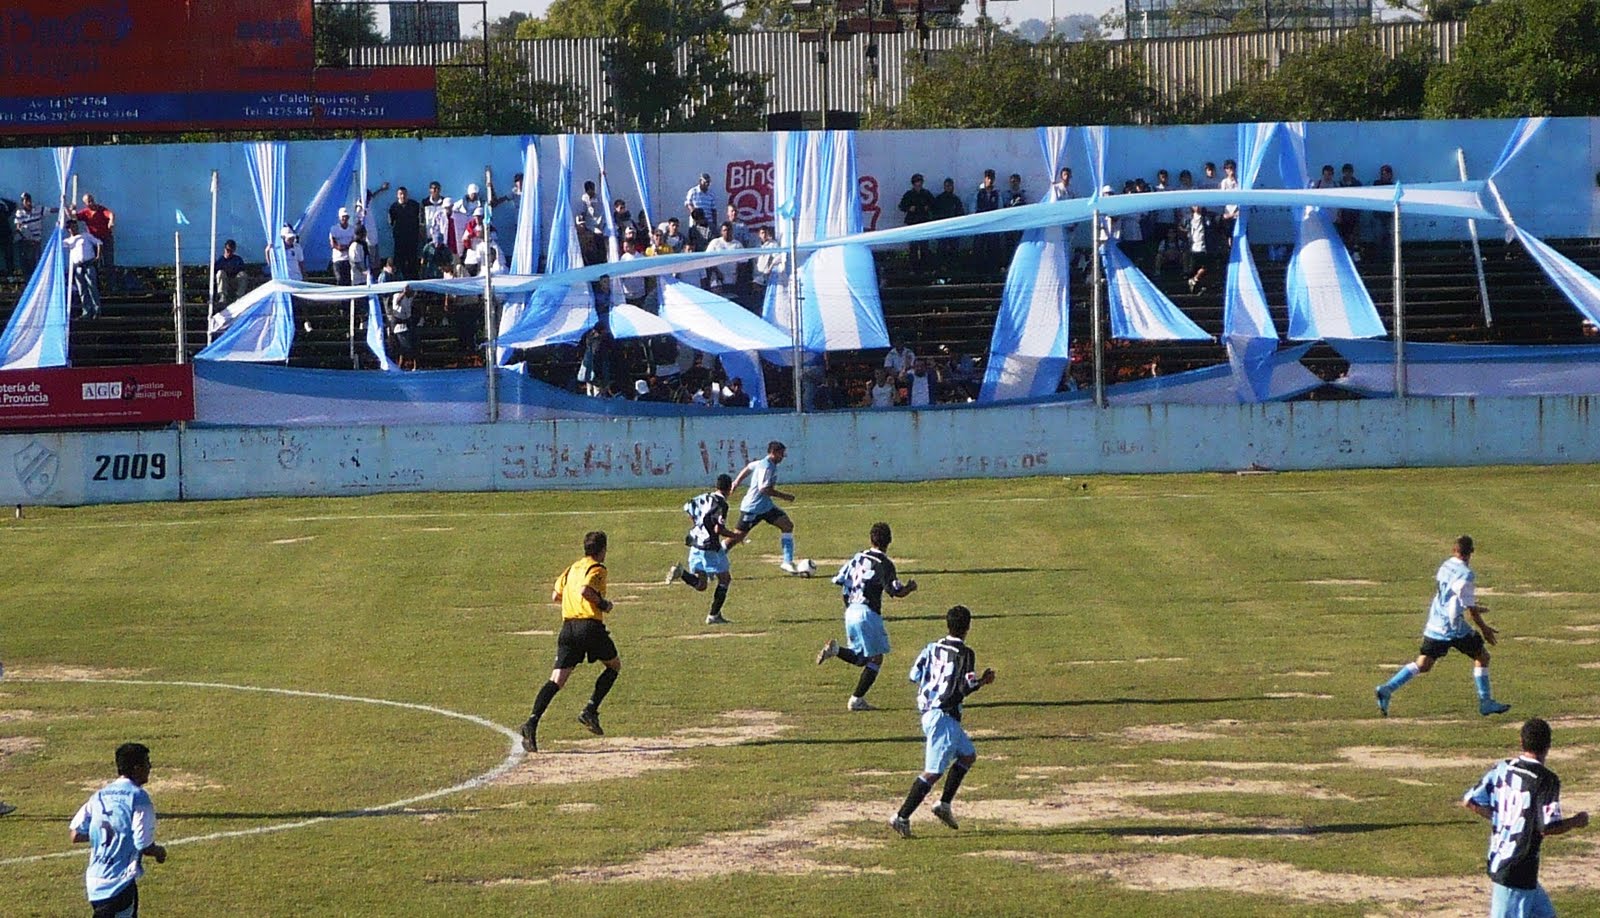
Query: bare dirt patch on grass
[
  {"x": 536, "y": 632},
  {"x": 710, "y": 635},
  {"x": 294, "y": 541},
  {"x": 52, "y": 672},
  {"x": 1389, "y": 759},
  {"x": 1344, "y": 582},
  {"x": 17, "y": 715},
  {"x": 1140, "y": 660},
  {"x": 1167, "y": 733},
  {"x": 18, "y": 745},
  {"x": 166, "y": 780},
  {"x": 1567, "y": 642},
  {"x": 783, "y": 847},
  {"x": 1320, "y": 696},
  {"x": 619, "y": 757},
  {"x": 1183, "y": 872}
]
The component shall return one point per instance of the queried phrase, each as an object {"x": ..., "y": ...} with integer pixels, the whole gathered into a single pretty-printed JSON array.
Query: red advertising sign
[
  {"x": 117, "y": 65},
  {"x": 96, "y": 396},
  {"x": 749, "y": 187}
]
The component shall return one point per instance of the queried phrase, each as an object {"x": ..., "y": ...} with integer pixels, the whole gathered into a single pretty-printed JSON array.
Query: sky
[{"x": 1015, "y": 10}]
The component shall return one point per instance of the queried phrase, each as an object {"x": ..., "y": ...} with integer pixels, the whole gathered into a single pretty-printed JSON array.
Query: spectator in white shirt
[
  {"x": 293, "y": 256},
  {"x": 770, "y": 268},
  {"x": 700, "y": 198},
  {"x": 899, "y": 360},
  {"x": 882, "y": 389},
  {"x": 715, "y": 279},
  {"x": 83, "y": 250},
  {"x": 339, "y": 239}
]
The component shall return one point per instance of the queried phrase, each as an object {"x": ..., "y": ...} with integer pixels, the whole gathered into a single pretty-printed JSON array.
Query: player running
[
  {"x": 119, "y": 824},
  {"x": 1521, "y": 798},
  {"x": 863, "y": 580},
  {"x": 945, "y": 674},
  {"x": 757, "y": 506},
  {"x": 709, "y": 511},
  {"x": 581, "y": 590},
  {"x": 1448, "y": 627}
]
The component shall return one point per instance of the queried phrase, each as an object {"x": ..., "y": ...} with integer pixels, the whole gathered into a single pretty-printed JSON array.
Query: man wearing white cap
[
  {"x": 295, "y": 258},
  {"x": 461, "y": 215},
  {"x": 339, "y": 239}
]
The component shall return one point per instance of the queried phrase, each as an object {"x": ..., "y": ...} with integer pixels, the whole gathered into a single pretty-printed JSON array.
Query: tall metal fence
[{"x": 1201, "y": 66}]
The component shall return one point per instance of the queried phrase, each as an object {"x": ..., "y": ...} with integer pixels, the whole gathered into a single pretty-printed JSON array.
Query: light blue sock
[
  {"x": 1406, "y": 674},
  {"x": 1480, "y": 675},
  {"x": 787, "y": 540}
]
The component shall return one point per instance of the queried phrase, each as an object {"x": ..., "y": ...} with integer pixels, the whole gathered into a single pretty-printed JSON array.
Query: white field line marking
[
  {"x": 514, "y": 756},
  {"x": 671, "y": 510}
]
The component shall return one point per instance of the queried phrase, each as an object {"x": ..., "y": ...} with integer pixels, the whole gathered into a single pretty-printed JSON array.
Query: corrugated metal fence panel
[
  {"x": 1206, "y": 66},
  {"x": 1210, "y": 65}
]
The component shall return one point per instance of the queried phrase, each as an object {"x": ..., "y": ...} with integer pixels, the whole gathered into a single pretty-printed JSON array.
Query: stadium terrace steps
[{"x": 957, "y": 317}]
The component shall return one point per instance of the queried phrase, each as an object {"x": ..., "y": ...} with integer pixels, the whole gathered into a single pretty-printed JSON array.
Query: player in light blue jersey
[
  {"x": 1454, "y": 601},
  {"x": 945, "y": 674},
  {"x": 757, "y": 506},
  {"x": 119, "y": 823},
  {"x": 707, "y": 557},
  {"x": 862, "y": 582}
]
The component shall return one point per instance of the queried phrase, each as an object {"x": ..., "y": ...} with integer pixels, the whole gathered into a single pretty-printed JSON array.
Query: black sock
[
  {"x": 869, "y": 675},
  {"x": 602, "y": 685},
  {"x": 952, "y": 782},
  {"x": 851, "y": 657},
  {"x": 691, "y": 579},
  {"x": 546, "y": 693},
  {"x": 919, "y": 792},
  {"x": 718, "y": 598}
]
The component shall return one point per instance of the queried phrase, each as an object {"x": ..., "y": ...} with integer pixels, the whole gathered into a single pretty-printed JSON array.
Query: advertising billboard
[
  {"x": 159, "y": 65},
  {"x": 96, "y": 396}
]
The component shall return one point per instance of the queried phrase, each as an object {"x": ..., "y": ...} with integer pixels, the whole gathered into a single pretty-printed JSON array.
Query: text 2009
[{"x": 137, "y": 466}]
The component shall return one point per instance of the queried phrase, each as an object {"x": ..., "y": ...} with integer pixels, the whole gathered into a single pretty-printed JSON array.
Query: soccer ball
[{"x": 805, "y": 567}]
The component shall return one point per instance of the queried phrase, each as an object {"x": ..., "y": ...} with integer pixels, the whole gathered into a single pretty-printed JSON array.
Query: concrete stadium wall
[
  {"x": 888, "y": 445},
  {"x": 1551, "y": 187}
]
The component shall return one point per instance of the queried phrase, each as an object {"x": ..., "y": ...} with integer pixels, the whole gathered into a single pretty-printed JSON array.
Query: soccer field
[{"x": 1182, "y": 722}]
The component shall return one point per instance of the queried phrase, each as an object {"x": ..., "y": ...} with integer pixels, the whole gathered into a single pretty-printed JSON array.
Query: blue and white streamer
[
  {"x": 260, "y": 328},
  {"x": 1139, "y": 310},
  {"x": 525, "y": 248},
  {"x": 1325, "y": 294},
  {"x": 1526, "y": 130},
  {"x": 641, "y": 174},
  {"x": 1249, "y": 334},
  {"x": 36, "y": 334},
  {"x": 322, "y": 213},
  {"x": 1029, "y": 348},
  {"x": 816, "y": 196},
  {"x": 555, "y": 310},
  {"x": 613, "y": 251}
]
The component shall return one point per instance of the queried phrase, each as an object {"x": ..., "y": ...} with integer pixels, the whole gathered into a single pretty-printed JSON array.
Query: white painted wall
[{"x": 218, "y": 463}]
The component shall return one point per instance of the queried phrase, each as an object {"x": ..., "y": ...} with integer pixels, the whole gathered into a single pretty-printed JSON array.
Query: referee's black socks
[
  {"x": 546, "y": 693},
  {"x": 602, "y": 685}
]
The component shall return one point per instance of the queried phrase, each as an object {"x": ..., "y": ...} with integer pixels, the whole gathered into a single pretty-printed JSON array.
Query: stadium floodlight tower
[{"x": 1181, "y": 18}]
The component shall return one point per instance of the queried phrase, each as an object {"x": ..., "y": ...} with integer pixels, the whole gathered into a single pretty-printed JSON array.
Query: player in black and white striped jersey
[
  {"x": 709, "y": 513},
  {"x": 945, "y": 673}
]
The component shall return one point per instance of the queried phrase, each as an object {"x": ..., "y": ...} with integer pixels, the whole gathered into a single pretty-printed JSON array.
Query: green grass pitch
[{"x": 1182, "y": 723}]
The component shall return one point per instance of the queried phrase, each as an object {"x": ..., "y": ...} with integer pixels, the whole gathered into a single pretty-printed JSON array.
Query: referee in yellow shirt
[{"x": 581, "y": 590}]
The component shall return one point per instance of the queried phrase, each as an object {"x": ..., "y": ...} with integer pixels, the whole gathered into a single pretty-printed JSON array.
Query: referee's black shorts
[
  {"x": 583, "y": 639},
  {"x": 125, "y": 904}
]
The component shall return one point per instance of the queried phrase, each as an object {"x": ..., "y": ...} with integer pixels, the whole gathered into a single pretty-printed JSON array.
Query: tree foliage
[
  {"x": 339, "y": 25},
  {"x": 1522, "y": 57},
  {"x": 510, "y": 102},
  {"x": 1016, "y": 84},
  {"x": 1348, "y": 78},
  {"x": 654, "y": 86}
]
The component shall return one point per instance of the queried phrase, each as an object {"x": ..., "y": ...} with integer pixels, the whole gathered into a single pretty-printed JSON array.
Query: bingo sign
[{"x": 749, "y": 187}]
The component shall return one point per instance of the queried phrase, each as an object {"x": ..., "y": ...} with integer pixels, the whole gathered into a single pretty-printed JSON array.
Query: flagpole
[
  {"x": 794, "y": 309},
  {"x": 360, "y": 212},
  {"x": 177, "y": 294},
  {"x": 1399, "y": 311},
  {"x": 491, "y": 324},
  {"x": 1477, "y": 252},
  {"x": 1095, "y": 309},
  {"x": 211, "y": 274}
]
